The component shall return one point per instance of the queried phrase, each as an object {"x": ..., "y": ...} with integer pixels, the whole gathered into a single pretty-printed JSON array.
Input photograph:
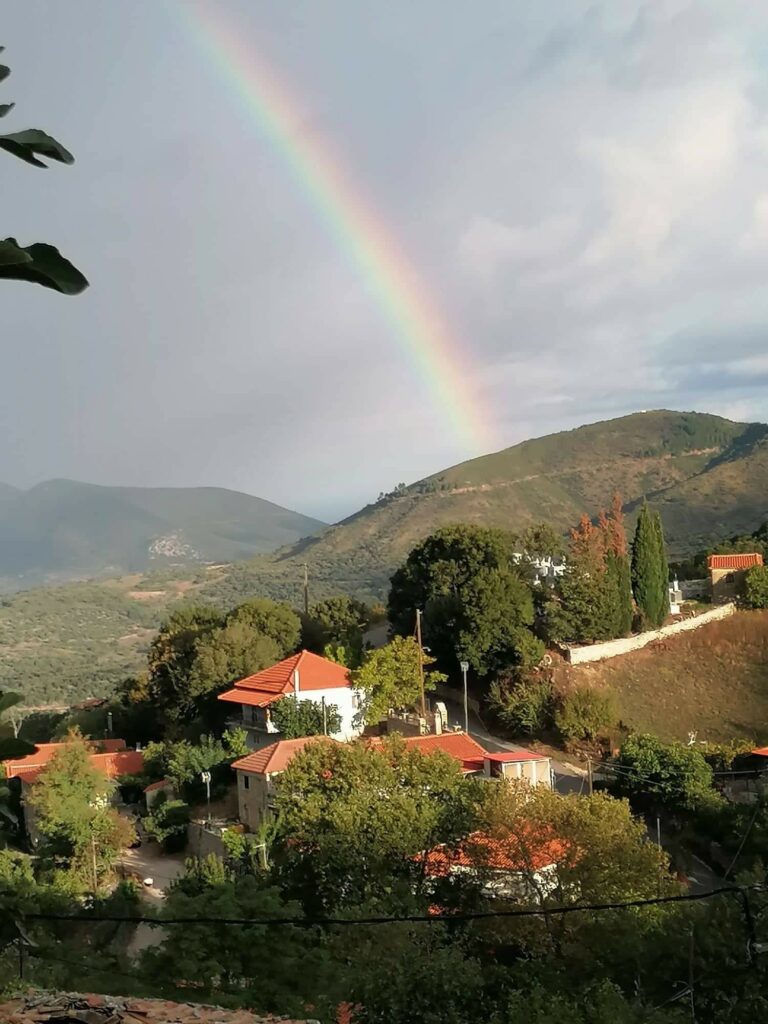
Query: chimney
[{"x": 296, "y": 683}]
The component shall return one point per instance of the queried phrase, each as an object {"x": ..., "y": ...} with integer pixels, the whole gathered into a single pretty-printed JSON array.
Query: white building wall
[{"x": 347, "y": 701}]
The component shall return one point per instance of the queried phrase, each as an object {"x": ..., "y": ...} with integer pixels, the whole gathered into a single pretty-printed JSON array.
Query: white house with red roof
[{"x": 305, "y": 676}]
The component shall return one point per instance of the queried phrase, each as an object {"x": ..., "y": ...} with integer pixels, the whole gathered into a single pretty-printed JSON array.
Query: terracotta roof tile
[
  {"x": 43, "y": 1007},
  {"x": 513, "y": 852},
  {"x": 45, "y": 752},
  {"x": 743, "y": 561},
  {"x": 277, "y": 756},
  {"x": 315, "y": 673},
  {"x": 121, "y": 762},
  {"x": 458, "y": 745}
]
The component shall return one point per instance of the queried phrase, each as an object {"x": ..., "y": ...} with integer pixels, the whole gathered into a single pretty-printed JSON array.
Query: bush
[
  {"x": 168, "y": 824},
  {"x": 674, "y": 774},
  {"x": 756, "y": 587},
  {"x": 524, "y": 706},
  {"x": 584, "y": 714}
]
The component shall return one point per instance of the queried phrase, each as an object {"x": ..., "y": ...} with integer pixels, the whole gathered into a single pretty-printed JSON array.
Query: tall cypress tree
[
  {"x": 617, "y": 567},
  {"x": 661, "y": 549},
  {"x": 647, "y": 578}
]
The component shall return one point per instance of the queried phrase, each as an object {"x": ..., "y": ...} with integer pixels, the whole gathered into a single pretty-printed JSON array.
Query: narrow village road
[{"x": 568, "y": 778}]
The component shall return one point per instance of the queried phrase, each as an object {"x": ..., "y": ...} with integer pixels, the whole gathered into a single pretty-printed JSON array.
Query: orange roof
[
  {"x": 515, "y": 852},
  {"x": 112, "y": 764},
  {"x": 458, "y": 745},
  {"x": 734, "y": 561},
  {"x": 760, "y": 751},
  {"x": 161, "y": 784},
  {"x": 277, "y": 756},
  {"x": 254, "y": 698},
  {"x": 314, "y": 672},
  {"x": 45, "y": 752}
]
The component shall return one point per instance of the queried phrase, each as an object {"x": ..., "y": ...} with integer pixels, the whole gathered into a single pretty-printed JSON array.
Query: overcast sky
[{"x": 582, "y": 187}]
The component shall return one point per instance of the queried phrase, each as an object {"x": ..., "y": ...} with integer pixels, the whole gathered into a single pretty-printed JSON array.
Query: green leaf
[
  {"x": 6, "y": 108},
  {"x": 28, "y": 144},
  {"x": 4, "y": 71},
  {"x": 47, "y": 267},
  {"x": 7, "y": 698},
  {"x": 12, "y": 253},
  {"x": 13, "y": 748}
]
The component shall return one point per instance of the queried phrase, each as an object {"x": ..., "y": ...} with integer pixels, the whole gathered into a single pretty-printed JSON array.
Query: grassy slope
[{"x": 713, "y": 680}]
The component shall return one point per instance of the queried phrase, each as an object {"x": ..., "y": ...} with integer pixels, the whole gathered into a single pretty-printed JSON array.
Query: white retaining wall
[{"x": 612, "y": 648}]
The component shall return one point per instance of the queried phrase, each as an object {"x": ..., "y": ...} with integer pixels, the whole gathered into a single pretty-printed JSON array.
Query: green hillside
[
  {"x": 63, "y": 529},
  {"x": 707, "y": 476}
]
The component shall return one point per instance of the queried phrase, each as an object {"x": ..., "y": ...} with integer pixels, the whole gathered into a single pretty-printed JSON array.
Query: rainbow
[{"x": 357, "y": 231}]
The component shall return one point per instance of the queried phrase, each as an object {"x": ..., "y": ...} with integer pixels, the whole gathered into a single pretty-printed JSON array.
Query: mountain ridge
[{"x": 62, "y": 528}]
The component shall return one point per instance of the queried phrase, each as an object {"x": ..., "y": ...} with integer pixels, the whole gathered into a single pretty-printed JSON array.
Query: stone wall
[{"x": 612, "y": 648}]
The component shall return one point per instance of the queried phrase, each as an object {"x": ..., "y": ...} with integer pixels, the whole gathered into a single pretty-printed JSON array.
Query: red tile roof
[
  {"x": 277, "y": 756},
  {"x": 734, "y": 561},
  {"x": 122, "y": 762},
  {"x": 45, "y": 751},
  {"x": 514, "y": 852},
  {"x": 157, "y": 785},
  {"x": 513, "y": 756},
  {"x": 458, "y": 745},
  {"x": 315, "y": 673},
  {"x": 761, "y": 751}
]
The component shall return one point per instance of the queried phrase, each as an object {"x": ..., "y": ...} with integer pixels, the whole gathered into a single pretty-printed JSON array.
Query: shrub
[
  {"x": 584, "y": 713},
  {"x": 168, "y": 824},
  {"x": 756, "y": 587},
  {"x": 523, "y": 706},
  {"x": 676, "y": 775}
]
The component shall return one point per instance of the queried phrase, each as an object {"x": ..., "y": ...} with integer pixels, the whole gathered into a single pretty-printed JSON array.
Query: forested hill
[
  {"x": 708, "y": 477},
  {"x": 63, "y": 529}
]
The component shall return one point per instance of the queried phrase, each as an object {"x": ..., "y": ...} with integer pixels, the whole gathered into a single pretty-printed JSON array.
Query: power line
[{"x": 308, "y": 922}]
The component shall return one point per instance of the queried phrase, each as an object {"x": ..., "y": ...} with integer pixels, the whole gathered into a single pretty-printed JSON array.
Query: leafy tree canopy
[
  {"x": 296, "y": 718},
  {"x": 676, "y": 775},
  {"x": 352, "y": 818},
  {"x": 390, "y": 678},
  {"x": 271, "y": 619}
]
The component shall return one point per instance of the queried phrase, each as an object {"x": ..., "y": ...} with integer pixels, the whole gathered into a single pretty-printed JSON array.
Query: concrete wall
[
  {"x": 202, "y": 843},
  {"x": 613, "y": 648},
  {"x": 726, "y": 583}
]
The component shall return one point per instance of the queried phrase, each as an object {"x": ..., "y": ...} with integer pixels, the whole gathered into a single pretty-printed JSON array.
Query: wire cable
[{"x": 323, "y": 922}]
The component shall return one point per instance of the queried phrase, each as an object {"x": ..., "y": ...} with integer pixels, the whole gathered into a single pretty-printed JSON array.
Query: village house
[
  {"x": 305, "y": 676},
  {"x": 727, "y": 572},
  {"x": 519, "y": 864},
  {"x": 109, "y": 756},
  {"x": 256, "y": 775},
  {"x": 258, "y": 772}
]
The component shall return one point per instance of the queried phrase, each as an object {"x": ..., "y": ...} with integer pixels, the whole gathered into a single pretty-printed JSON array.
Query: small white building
[{"x": 305, "y": 676}]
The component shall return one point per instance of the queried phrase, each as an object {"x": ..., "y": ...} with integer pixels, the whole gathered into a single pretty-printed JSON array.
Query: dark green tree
[
  {"x": 672, "y": 774},
  {"x": 171, "y": 659},
  {"x": 475, "y": 596},
  {"x": 272, "y": 619},
  {"x": 390, "y": 678},
  {"x": 649, "y": 582},
  {"x": 39, "y": 263},
  {"x": 353, "y": 818},
  {"x": 295, "y": 718},
  {"x": 339, "y": 621},
  {"x": 583, "y": 609},
  {"x": 661, "y": 554}
]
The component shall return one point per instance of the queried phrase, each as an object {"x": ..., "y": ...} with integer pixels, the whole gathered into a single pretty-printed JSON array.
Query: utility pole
[
  {"x": 306, "y": 590},
  {"x": 464, "y": 670},
  {"x": 206, "y": 778},
  {"x": 421, "y": 665},
  {"x": 325, "y": 717},
  {"x": 589, "y": 774},
  {"x": 93, "y": 864}
]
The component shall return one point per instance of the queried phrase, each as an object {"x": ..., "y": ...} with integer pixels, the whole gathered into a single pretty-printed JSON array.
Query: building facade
[{"x": 727, "y": 572}]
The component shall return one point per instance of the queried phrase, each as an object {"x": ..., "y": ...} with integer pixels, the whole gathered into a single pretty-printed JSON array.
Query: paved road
[{"x": 568, "y": 777}]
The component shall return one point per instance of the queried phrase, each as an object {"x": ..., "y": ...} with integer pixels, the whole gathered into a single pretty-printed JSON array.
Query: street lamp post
[
  {"x": 206, "y": 777},
  {"x": 464, "y": 670}
]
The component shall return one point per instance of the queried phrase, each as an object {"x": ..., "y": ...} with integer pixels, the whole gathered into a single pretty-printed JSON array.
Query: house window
[{"x": 246, "y": 782}]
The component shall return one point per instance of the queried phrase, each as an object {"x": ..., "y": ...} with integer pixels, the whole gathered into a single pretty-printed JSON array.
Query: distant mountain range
[{"x": 63, "y": 529}]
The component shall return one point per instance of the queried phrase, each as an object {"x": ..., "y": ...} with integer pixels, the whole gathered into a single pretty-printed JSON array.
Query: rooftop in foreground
[{"x": 86, "y": 1008}]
